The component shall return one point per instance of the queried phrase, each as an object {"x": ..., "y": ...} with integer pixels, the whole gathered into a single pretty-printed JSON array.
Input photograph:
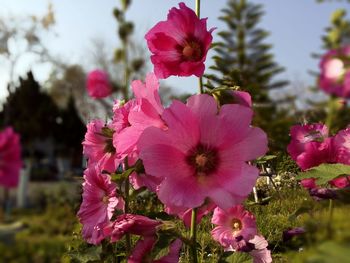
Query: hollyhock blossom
[
  {"x": 10, "y": 158},
  {"x": 98, "y": 146},
  {"x": 341, "y": 182},
  {"x": 99, "y": 202},
  {"x": 233, "y": 97},
  {"x": 197, "y": 162},
  {"x": 260, "y": 253},
  {"x": 335, "y": 70},
  {"x": 143, "y": 112},
  {"x": 303, "y": 134},
  {"x": 180, "y": 44},
  {"x": 132, "y": 224},
  {"x": 341, "y": 145},
  {"x": 309, "y": 183},
  {"x": 143, "y": 248},
  {"x": 98, "y": 84},
  {"x": 233, "y": 225}
]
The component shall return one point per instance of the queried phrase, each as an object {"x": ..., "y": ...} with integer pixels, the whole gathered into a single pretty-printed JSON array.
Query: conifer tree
[{"x": 242, "y": 58}]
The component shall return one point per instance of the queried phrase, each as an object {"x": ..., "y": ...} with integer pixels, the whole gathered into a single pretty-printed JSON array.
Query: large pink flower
[
  {"x": 98, "y": 146},
  {"x": 233, "y": 225},
  {"x": 180, "y": 44},
  {"x": 143, "y": 248},
  {"x": 99, "y": 202},
  {"x": 260, "y": 253},
  {"x": 335, "y": 72},
  {"x": 203, "y": 153},
  {"x": 10, "y": 158},
  {"x": 132, "y": 224},
  {"x": 98, "y": 84}
]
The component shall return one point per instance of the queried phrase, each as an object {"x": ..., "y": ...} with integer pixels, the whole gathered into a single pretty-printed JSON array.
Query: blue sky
[{"x": 295, "y": 27}]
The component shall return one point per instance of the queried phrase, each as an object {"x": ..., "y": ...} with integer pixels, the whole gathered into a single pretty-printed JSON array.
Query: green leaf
[
  {"x": 304, "y": 208},
  {"x": 118, "y": 177},
  {"x": 235, "y": 257},
  {"x": 265, "y": 158},
  {"x": 325, "y": 172}
]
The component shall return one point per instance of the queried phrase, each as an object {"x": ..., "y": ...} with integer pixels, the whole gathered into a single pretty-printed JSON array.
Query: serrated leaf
[{"x": 325, "y": 172}]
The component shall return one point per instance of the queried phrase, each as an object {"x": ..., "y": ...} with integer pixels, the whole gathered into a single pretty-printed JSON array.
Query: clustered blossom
[
  {"x": 10, "y": 158},
  {"x": 98, "y": 84},
  {"x": 310, "y": 145},
  {"x": 335, "y": 72},
  {"x": 191, "y": 155},
  {"x": 236, "y": 231}
]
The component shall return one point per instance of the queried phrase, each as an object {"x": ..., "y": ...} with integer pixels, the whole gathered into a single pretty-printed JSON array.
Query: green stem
[
  {"x": 332, "y": 110},
  {"x": 198, "y": 13},
  {"x": 126, "y": 205},
  {"x": 193, "y": 235},
  {"x": 330, "y": 218},
  {"x": 198, "y": 8}
]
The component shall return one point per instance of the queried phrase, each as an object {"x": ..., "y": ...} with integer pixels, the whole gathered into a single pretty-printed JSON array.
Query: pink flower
[
  {"x": 132, "y": 224},
  {"x": 233, "y": 225},
  {"x": 195, "y": 161},
  {"x": 180, "y": 44},
  {"x": 10, "y": 158},
  {"x": 341, "y": 146},
  {"x": 98, "y": 146},
  {"x": 302, "y": 134},
  {"x": 309, "y": 183},
  {"x": 99, "y": 202},
  {"x": 341, "y": 182},
  {"x": 141, "y": 113},
  {"x": 143, "y": 248},
  {"x": 260, "y": 253},
  {"x": 335, "y": 71},
  {"x": 98, "y": 84}
]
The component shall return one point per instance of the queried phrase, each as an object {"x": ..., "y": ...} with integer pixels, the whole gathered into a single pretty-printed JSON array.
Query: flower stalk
[
  {"x": 200, "y": 79},
  {"x": 193, "y": 235}
]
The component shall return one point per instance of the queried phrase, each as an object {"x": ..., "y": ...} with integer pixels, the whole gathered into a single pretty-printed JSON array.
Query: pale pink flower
[
  {"x": 143, "y": 112},
  {"x": 99, "y": 202},
  {"x": 260, "y": 253},
  {"x": 98, "y": 146},
  {"x": 180, "y": 44},
  {"x": 132, "y": 224},
  {"x": 10, "y": 158},
  {"x": 143, "y": 248},
  {"x": 203, "y": 153},
  {"x": 233, "y": 225},
  {"x": 98, "y": 84},
  {"x": 335, "y": 71}
]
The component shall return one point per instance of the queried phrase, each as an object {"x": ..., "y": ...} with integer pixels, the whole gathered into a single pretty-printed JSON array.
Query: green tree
[{"x": 243, "y": 58}]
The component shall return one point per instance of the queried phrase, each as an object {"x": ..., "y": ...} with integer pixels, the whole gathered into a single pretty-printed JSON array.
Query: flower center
[
  {"x": 203, "y": 159},
  {"x": 105, "y": 199},
  {"x": 236, "y": 224},
  {"x": 192, "y": 51}
]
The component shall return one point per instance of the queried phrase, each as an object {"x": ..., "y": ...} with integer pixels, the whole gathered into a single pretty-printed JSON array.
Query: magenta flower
[
  {"x": 233, "y": 225},
  {"x": 302, "y": 134},
  {"x": 309, "y": 183},
  {"x": 180, "y": 44},
  {"x": 98, "y": 84},
  {"x": 10, "y": 158},
  {"x": 341, "y": 182},
  {"x": 335, "y": 72},
  {"x": 99, "y": 202},
  {"x": 196, "y": 162},
  {"x": 290, "y": 233},
  {"x": 98, "y": 146},
  {"x": 143, "y": 248},
  {"x": 132, "y": 224}
]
